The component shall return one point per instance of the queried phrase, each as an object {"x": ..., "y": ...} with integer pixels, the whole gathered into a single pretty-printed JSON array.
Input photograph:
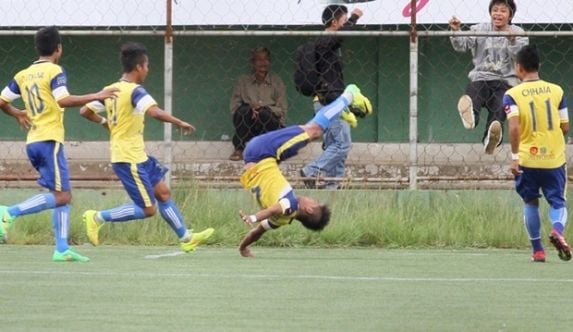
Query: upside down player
[
  {"x": 538, "y": 123},
  {"x": 263, "y": 178}
]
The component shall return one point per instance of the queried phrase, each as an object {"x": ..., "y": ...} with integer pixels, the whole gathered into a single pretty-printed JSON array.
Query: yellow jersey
[
  {"x": 268, "y": 186},
  {"x": 125, "y": 115},
  {"x": 541, "y": 108},
  {"x": 41, "y": 86}
]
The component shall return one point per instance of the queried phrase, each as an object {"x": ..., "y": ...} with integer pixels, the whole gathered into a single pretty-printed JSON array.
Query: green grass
[
  {"x": 283, "y": 289},
  {"x": 360, "y": 218}
]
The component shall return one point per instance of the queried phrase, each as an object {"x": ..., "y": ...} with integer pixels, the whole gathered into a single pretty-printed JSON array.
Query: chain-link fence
[{"x": 402, "y": 59}]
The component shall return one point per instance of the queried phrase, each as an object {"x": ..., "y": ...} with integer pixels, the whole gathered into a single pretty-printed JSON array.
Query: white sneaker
[
  {"x": 493, "y": 137},
  {"x": 466, "y": 110}
]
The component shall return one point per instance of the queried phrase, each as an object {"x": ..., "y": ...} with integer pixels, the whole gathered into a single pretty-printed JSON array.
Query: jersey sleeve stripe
[
  {"x": 564, "y": 115},
  {"x": 144, "y": 104},
  {"x": 9, "y": 95},
  {"x": 563, "y": 103},
  {"x": 60, "y": 93},
  {"x": 96, "y": 106}
]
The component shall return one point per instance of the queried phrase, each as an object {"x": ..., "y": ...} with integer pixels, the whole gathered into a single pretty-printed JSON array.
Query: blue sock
[
  {"x": 558, "y": 218},
  {"x": 125, "y": 212},
  {"x": 33, "y": 204},
  {"x": 173, "y": 217},
  {"x": 61, "y": 225},
  {"x": 533, "y": 225},
  {"x": 331, "y": 111}
]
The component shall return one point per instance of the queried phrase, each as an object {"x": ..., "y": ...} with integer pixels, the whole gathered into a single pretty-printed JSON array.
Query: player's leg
[
  {"x": 527, "y": 187},
  {"x": 61, "y": 225},
  {"x": 169, "y": 211},
  {"x": 43, "y": 156},
  {"x": 350, "y": 97},
  {"x": 138, "y": 186},
  {"x": 554, "y": 186},
  {"x": 496, "y": 115}
]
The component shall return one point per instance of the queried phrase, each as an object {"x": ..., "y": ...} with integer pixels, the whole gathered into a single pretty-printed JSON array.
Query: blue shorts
[
  {"x": 280, "y": 144},
  {"x": 139, "y": 180},
  {"x": 49, "y": 160},
  {"x": 552, "y": 182}
]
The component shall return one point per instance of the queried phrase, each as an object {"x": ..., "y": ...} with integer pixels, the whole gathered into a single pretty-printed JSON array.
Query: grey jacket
[{"x": 493, "y": 57}]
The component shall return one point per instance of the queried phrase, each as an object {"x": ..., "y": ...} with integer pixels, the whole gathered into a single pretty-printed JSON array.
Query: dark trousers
[
  {"x": 488, "y": 94},
  {"x": 247, "y": 127}
]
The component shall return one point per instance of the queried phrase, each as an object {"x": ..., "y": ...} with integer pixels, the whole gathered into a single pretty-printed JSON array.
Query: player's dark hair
[
  {"x": 508, "y": 3},
  {"x": 333, "y": 12},
  {"x": 317, "y": 221},
  {"x": 528, "y": 58},
  {"x": 260, "y": 49},
  {"x": 132, "y": 54},
  {"x": 47, "y": 40}
]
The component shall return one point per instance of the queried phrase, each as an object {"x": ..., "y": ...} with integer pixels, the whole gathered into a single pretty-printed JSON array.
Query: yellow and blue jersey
[
  {"x": 265, "y": 180},
  {"x": 41, "y": 86},
  {"x": 268, "y": 186},
  {"x": 541, "y": 108},
  {"x": 125, "y": 115}
]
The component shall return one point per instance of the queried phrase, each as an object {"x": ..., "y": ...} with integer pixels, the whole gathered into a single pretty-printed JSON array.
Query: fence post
[
  {"x": 413, "y": 130},
  {"x": 168, "y": 92}
]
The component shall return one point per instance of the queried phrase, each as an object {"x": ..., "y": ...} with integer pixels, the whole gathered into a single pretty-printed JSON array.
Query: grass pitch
[{"x": 136, "y": 288}]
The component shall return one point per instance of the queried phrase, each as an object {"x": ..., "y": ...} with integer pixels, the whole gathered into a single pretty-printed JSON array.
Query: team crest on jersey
[{"x": 507, "y": 109}]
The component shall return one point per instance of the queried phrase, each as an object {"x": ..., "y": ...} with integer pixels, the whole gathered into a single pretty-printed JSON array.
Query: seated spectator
[{"x": 258, "y": 103}]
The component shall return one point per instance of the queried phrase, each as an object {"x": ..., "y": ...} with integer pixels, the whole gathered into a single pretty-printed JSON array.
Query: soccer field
[{"x": 136, "y": 288}]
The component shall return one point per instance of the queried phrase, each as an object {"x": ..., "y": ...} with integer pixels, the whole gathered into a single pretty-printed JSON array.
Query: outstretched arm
[
  {"x": 159, "y": 114},
  {"x": 72, "y": 100}
]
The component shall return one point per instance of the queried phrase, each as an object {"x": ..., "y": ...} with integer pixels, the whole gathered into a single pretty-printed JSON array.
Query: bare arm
[
  {"x": 514, "y": 133},
  {"x": 159, "y": 114},
  {"x": 274, "y": 210},
  {"x": 252, "y": 236},
  {"x": 93, "y": 116},
  {"x": 72, "y": 100},
  {"x": 565, "y": 128},
  {"x": 20, "y": 115}
]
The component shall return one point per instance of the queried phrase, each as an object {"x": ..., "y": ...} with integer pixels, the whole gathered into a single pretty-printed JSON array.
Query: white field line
[
  {"x": 171, "y": 254},
  {"x": 282, "y": 277}
]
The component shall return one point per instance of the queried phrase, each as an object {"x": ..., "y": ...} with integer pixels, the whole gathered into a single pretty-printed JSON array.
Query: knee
[
  {"x": 62, "y": 197},
  {"x": 149, "y": 211},
  {"x": 243, "y": 110},
  {"x": 163, "y": 196}
]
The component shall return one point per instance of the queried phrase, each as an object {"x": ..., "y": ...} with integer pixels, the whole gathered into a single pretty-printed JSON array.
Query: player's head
[
  {"x": 527, "y": 61},
  {"x": 261, "y": 59},
  {"x": 312, "y": 214},
  {"x": 48, "y": 42},
  {"x": 334, "y": 16},
  {"x": 502, "y": 12},
  {"x": 134, "y": 60}
]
